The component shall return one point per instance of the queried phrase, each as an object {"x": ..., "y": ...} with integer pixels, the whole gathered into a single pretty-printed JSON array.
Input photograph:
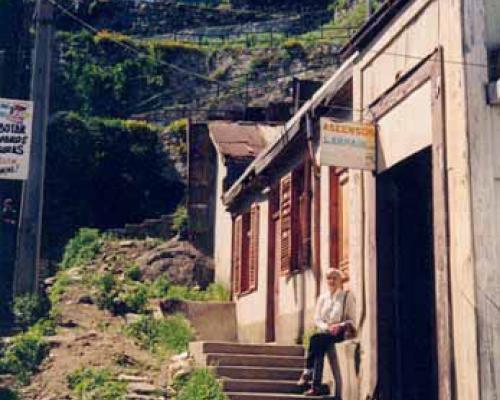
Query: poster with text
[
  {"x": 16, "y": 119},
  {"x": 347, "y": 144}
]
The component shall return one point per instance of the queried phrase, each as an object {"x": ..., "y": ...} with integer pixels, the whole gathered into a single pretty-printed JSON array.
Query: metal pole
[
  {"x": 368, "y": 9},
  {"x": 29, "y": 237}
]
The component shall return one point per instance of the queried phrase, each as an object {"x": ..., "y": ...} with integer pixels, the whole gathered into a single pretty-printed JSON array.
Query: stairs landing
[{"x": 255, "y": 372}]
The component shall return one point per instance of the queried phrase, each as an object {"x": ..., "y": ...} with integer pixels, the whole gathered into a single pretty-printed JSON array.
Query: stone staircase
[{"x": 254, "y": 372}]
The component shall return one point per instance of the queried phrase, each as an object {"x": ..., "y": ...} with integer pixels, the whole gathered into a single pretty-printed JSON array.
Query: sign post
[{"x": 348, "y": 144}]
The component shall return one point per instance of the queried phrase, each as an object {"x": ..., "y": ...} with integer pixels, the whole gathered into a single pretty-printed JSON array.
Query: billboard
[
  {"x": 16, "y": 119},
  {"x": 348, "y": 144}
]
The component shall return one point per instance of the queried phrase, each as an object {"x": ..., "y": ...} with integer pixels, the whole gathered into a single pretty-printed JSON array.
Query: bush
[
  {"x": 82, "y": 248},
  {"x": 96, "y": 384},
  {"x": 135, "y": 298},
  {"x": 201, "y": 385},
  {"x": 58, "y": 288},
  {"x": 106, "y": 291},
  {"x": 23, "y": 355},
  {"x": 28, "y": 309},
  {"x": 180, "y": 220},
  {"x": 133, "y": 273},
  {"x": 170, "y": 335},
  {"x": 159, "y": 288},
  {"x": 294, "y": 48},
  {"x": 214, "y": 292}
]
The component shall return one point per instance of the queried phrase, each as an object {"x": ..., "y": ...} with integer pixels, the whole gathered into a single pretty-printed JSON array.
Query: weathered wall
[
  {"x": 420, "y": 28},
  {"x": 481, "y": 32},
  {"x": 222, "y": 229}
]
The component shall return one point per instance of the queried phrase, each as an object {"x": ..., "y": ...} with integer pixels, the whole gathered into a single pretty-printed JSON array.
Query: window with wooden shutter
[
  {"x": 305, "y": 216},
  {"x": 286, "y": 219},
  {"x": 253, "y": 266},
  {"x": 237, "y": 248},
  {"x": 339, "y": 219}
]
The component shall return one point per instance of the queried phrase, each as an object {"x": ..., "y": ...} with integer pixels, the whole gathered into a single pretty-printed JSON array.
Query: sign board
[
  {"x": 347, "y": 144},
  {"x": 16, "y": 119}
]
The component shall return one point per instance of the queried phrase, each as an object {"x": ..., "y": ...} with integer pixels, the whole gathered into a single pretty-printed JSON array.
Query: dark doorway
[{"x": 406, "y": 292}]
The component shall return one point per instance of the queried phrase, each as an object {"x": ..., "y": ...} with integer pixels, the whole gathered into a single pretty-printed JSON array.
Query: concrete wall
[{"x": 222, "y": 229}]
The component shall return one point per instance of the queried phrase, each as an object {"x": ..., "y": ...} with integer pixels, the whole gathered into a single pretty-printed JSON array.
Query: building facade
[{"x": 418, "y": 236}]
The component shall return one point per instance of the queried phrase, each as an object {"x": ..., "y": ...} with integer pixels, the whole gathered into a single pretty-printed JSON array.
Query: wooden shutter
[
  {"x": 253, "y": 266},
  {"x": 334, "y": 218},
  {"x": 237, "y": 253},
  {"x": 286, "y": 217},
  {"x": 305, "y": 217}
]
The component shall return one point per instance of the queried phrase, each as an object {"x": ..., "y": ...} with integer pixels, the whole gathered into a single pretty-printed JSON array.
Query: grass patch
[
  {"x": 180, "y": 219},
  {"x": 28, "y": 309},
  {"x": 214, "y": 292},
  {"x": 23, "y": 355},
  {"x": 96, "y": 384},
  {"x": 82, "y": 248},
  {"x": 201, "y": 385},
  {"x": 166, "y": 336},
  {"x": 59, "y": 287}
]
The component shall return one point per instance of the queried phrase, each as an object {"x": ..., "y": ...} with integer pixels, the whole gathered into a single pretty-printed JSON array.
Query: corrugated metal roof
[{"x": 240, "y": 139}]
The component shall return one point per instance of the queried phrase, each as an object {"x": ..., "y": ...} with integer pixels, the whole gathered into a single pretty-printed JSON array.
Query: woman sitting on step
[{"x": 334, "y": 319}]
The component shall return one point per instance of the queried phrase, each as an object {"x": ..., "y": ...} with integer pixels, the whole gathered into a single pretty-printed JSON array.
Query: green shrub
[
  {"x": 201, "y": 385},
  {"x": 307, "y": 337},
  {"x": 23, "y": 355},
  {"x": 180, "y": 219},
  {"x": 28, "y": 309},
  {"x": 58, "y": 288},
  {"x": 217, "y": 292},
  {"x": 82, "y": 248},
  {"x": 44, "y": 327},
  {"x": 133, "y": 272},
  {"x": 135, "y": 298},
  {"x": 170, "y": 335},
  {"x": 159, "y": 288},
  {"x": 294, "y": 48},
  {"x": 214, "y": 292},
  {"x": 96, "y": 384},
  {"x": 106, "y": 291}
]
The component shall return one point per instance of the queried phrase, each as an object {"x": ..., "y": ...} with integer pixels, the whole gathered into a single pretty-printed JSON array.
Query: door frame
[
  {"x": 273, "y": 275},
  {"x": 430, "y": 69}
]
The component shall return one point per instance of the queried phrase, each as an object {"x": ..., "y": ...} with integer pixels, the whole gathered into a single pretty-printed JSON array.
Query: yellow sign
[{"x": 350, "y": 145}]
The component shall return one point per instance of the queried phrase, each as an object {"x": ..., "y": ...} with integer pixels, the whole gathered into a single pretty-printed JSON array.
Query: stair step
[
  {"x": 228, "y": 360},
  {"x": 264, "y": 349},
  {"x": 260, "y": 386},
  {"x": 286, "y": 374},
  {"x": 274, "y": 396}
]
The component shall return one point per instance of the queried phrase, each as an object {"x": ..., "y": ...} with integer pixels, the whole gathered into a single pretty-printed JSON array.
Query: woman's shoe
[
  {"x": 313, "y": 391},
  {"x": 304, "y": 380}
]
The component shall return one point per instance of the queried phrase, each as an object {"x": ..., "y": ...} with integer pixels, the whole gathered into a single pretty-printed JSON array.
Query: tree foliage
[{"x": 104, "y": 173}]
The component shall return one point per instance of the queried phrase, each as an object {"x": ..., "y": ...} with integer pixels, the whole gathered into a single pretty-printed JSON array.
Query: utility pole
[
  {"x": 368, "y": 9},
  {"x": 30, "y": 224}
]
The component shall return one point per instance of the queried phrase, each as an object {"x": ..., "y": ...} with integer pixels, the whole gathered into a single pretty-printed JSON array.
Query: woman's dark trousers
[{"x": 318, "y": 346}]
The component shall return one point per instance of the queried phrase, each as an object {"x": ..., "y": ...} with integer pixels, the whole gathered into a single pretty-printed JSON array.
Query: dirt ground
[{"x": 92, "y": 338}]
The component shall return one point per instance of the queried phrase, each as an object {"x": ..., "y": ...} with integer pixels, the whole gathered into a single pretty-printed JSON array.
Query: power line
[{"x": 131, "y": 48}]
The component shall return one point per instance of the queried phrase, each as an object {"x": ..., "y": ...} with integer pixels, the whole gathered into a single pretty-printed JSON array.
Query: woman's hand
[{"x": 335, "y": 329}]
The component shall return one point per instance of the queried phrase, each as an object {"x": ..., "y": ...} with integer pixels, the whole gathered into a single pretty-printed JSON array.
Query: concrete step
[
  {"x": 264, "y": 349},
  {"x": 260, "y": 386},
  {"x": 229, "y": 360},
  {"x": 285, "y": 374},
  {"x": 274, "y": 396}
]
